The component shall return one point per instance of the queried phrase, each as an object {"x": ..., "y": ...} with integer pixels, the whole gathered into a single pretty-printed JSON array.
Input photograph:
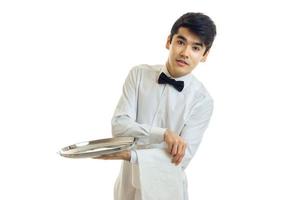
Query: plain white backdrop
[{"x": 62, "y": 66}]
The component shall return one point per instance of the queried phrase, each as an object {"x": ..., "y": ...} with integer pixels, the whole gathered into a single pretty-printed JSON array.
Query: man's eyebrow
[{"x": 195, "y": 43}]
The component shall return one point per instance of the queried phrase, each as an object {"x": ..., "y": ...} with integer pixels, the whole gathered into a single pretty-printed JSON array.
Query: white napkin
[{"x": 159, "y": 178}]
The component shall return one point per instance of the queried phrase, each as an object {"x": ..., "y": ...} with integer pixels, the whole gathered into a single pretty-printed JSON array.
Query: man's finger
[
  {"x": 180, "y": 149},
  {"x": 107, "y": 156},
  {"x": 174, "y": 149},
  {"x": 179, "y": 160},
  {"x": 170, "y": 148},
  {"x": 180, "y": 154},
  {"x": 176, "y": 158},
  {"x": 99, "y": 157}
]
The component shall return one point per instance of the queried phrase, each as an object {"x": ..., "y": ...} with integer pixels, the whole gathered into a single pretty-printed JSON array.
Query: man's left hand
[{"x": 122, "y": 155}]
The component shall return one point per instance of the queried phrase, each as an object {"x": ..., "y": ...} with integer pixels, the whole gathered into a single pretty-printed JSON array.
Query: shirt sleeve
[
  {"x": 192, "y": 132},
  {"x": 124, "y": 118},
  {"x": 195, "y": 127}
]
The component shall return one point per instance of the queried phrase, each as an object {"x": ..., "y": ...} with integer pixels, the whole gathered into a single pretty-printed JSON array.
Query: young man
[{"x": 167, "y": 109}]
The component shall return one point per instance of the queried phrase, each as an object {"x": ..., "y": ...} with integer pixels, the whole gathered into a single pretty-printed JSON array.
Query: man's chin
[{"x": 179, "y": 73}]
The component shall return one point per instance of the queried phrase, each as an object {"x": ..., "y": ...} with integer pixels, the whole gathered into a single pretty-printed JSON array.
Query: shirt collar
[{"x": 186, "y": 78}]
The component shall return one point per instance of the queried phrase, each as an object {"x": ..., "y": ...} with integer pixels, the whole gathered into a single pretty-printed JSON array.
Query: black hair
[{"x": 199, "y": 24}]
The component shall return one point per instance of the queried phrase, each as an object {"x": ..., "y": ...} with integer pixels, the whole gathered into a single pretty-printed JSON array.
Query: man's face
[{"x": 185, "y": 52}]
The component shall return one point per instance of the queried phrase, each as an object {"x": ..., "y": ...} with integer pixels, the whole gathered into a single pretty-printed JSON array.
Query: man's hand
[
  {"x": 176, "y": 146},
  {"x": 122, "y": 155}
]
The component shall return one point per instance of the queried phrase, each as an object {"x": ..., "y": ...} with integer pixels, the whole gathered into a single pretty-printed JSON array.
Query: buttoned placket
[{"x": 158, "y": 109}]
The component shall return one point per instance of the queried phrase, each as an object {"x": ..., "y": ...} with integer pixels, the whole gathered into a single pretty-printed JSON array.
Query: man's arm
[
  {"x": 124, "y": 118},
  {"x": 122, "y": 155},
  {"x": 124, "y": 124},
  {"x": 194, "y": 129},
  {"x": 182, "y": 148}
]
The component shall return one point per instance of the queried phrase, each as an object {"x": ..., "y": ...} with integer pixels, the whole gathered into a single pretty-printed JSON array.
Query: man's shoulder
[
  {"x": 199, "y": 89},
  {"x": 147, "y": 68}
]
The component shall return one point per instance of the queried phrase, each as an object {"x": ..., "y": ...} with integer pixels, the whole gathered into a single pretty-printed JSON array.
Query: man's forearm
[{"x": 125, "y": 126}]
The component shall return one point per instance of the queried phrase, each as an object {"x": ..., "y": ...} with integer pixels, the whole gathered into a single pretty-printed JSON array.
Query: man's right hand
[{"x": 176, "y": 146}]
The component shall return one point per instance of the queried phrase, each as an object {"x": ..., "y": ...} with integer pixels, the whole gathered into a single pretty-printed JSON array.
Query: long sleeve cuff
[{"x": 157, "y": 135}]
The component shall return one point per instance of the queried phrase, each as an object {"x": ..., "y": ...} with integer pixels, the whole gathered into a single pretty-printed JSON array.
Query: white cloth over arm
[{"x": 159, "y": 178}]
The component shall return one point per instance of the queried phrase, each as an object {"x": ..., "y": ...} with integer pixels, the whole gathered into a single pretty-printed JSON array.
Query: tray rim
[{"x": 82, "y": 152}]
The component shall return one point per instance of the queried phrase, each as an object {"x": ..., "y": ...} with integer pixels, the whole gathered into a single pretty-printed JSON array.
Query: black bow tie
[{"x": 163, "y": 79}]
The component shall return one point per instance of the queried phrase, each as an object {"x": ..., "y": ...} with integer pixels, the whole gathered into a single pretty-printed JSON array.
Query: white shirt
[{"x": 146, "y": 109}]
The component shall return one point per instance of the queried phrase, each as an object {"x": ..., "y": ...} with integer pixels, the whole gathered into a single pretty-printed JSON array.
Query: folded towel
[{"x": 158, "y": 179}]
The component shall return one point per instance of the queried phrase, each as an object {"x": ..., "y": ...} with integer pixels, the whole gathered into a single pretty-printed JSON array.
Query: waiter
[{"x": 167, "y": 109}]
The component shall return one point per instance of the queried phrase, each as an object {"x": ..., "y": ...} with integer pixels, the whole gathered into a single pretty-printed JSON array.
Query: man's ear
[
  {"x": 203, "y": 59},
  {"x": 168, "y": 42}
]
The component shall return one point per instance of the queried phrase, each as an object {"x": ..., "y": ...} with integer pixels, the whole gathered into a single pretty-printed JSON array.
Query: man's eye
[
  {"x": 196, "y": 48},
  {"x": 180, "y": 42}
]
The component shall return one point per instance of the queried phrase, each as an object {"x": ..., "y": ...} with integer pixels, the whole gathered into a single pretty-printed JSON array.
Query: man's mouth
[{"x": 181, "y": 63}]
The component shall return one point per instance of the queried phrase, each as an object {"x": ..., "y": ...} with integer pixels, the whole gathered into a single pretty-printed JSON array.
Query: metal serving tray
[{"x": 96, "y": 148}]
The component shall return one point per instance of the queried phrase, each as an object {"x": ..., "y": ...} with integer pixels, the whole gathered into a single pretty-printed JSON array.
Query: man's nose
[{"x": 185, "y": 52}]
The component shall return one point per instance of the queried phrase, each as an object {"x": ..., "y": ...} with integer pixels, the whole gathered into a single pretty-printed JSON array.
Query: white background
[{"x": 63, "y": 64}]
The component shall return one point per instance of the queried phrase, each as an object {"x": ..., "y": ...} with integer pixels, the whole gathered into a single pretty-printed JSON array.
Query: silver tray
[{"x": 96, "y": 148}]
